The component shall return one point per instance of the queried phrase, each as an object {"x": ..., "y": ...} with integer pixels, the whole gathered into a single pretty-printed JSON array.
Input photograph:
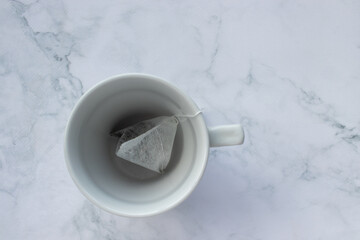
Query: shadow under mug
[{"x": 121, "y": 187}]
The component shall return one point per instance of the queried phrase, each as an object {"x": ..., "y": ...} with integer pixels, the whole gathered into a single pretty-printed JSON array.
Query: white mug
[{"x": 121, "y": 187}]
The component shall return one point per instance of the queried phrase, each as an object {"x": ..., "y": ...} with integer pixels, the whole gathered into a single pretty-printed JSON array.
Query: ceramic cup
[{"x": 119, "y": 186}]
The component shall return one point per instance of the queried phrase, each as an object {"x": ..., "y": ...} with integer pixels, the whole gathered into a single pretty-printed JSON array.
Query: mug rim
[{"x": 67, "y": 136}]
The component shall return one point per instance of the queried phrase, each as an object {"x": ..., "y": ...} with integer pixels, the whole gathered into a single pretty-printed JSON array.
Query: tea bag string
[{"x": 182, "y": 118}]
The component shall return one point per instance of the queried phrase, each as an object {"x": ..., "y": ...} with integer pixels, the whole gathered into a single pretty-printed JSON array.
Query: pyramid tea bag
[{"x": 148, "y": 143}]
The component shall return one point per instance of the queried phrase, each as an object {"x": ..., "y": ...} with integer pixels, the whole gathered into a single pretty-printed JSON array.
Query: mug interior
[{"x": 117, "y": 185}]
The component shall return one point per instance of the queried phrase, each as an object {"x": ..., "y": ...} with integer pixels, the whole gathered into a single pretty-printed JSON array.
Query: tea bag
[{"x": 148, "y": 143}]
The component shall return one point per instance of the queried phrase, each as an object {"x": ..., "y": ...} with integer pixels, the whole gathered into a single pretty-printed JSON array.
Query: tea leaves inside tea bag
[{"x": 148, "y": 143}]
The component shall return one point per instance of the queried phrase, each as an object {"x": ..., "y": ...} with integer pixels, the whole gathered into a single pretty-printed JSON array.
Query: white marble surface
[{"x": 289, "y": 71}]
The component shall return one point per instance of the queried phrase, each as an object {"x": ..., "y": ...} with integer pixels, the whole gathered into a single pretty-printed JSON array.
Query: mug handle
[{"x": 226, "y": 135}]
